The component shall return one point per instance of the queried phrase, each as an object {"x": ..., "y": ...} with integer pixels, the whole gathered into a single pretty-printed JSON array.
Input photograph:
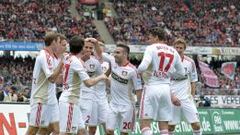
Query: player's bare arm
[
  {"x": 193, "y": 88},
  {"x": 94, "y": 81},
  {"x": 139, "y": 95}
]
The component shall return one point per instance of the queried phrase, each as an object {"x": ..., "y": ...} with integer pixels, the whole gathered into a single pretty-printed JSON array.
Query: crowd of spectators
[
  {"x": 87, "y": 27},
  {"x": 29, "y": 20},
  {"x": 15, "y": 78},
  {"x": 201, "y": 22}
]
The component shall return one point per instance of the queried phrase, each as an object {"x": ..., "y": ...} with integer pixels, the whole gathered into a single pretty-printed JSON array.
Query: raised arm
[{"x": 97, "y": 44}]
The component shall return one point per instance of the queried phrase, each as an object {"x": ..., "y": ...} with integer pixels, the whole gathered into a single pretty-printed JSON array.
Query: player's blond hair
[
  {"x": 180, "y": 41},
  {"x": 51, "y": 36}
]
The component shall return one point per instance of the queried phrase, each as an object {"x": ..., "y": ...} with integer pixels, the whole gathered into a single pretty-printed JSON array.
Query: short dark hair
[
  {"x": 159, "y": 32},
  {"x": 76, "y": 44},
  {"x": 124, "y": 46}
]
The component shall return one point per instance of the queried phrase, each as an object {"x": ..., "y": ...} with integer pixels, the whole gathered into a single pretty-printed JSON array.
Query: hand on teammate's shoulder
[{"x": 103, "y": 77}]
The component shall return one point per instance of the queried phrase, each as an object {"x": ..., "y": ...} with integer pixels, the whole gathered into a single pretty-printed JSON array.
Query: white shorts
[
  {"x": 156, "y": 103},
  {"x": 53, "y": 113},
  {"x": 70, "y": 118},
  {"x": 86, "y": 106},
  {"x": 187, "y": 109},
  {"x": 121, "y": 116},
  {"x": 99, "y": 112},
  {"x": 41, "y": 115}
]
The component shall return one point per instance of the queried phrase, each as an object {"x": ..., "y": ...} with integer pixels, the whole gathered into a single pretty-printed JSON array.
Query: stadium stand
[
  {"x": 204, "y": 23},
  {"x": 16, "y": 78},
  {"x": 38, "y": 16}
]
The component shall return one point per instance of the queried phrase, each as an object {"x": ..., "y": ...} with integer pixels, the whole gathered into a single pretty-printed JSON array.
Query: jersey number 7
[{"x": 162, "y": 56}]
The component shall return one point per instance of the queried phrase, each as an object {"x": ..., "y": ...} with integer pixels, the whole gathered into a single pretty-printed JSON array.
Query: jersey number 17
[{"x": 163, "y": 57}]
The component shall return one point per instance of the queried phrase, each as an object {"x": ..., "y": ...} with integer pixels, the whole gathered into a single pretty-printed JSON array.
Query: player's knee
[
  {"x": 92, "y": 130},
  {"x": 196, "y": 126},
  {"x": 124, "y": 133},
  {"x": 42, "y": 131},
  {"x": 171, "y": 128},
  {"x": 56, "y": 132},
  {"x": 82, "y": 131},
  {"x": 163, "y": 125},
  {"x": 145, "y": 123},
  {"x": 110, "y": 132},
  {"x": 32, "y": 131}
]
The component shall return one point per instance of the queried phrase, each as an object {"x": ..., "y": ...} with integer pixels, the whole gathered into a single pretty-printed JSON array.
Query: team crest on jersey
[
  {"x": 92, "y": 66},
  {"x": 124, "y": 73}
]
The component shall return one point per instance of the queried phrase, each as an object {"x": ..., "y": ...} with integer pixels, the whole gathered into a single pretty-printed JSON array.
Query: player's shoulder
[
  {"x": 76, "y": 62},
  {"x": 66, "y": 54},
  {"x": 162, "y": 46},
  {"x": 188, "y": 59},
  {"x": 151, "y": 47},
  {"x": 90, "y": 60},
  {"x": 107, "y": 55},
  {"x": 94, "y": 58},
  {"x": 131, "y": 66},
  {"x": 42, "y": 53},
  {"x": 73, "y": 59}
]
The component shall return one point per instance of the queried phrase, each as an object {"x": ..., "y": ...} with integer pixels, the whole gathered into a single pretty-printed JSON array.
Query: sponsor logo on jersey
[{"x": 119, "y": 79}]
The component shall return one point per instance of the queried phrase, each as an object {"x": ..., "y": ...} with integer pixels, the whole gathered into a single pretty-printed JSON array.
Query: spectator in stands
[
  {"x": 26, "y": 93},
  {"x": 204, "y": 102},
  {"x": 1, "y": 95},
  {"x": 10, "y": 94}
]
